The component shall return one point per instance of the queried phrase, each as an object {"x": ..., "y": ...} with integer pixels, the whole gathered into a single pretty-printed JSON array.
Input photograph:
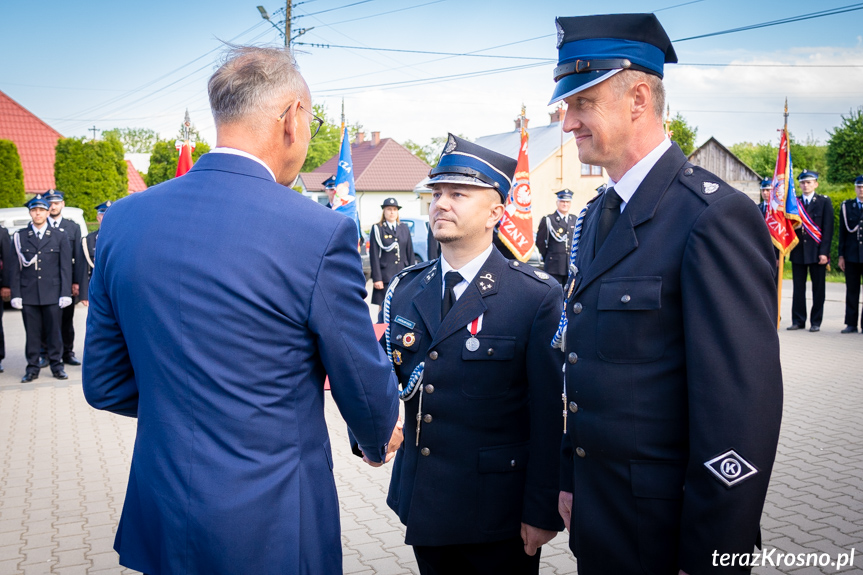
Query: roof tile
[{"x": 35, "y": 140}]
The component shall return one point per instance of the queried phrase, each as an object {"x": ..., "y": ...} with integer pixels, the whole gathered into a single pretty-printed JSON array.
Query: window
[{"x": 588, "y": 170}]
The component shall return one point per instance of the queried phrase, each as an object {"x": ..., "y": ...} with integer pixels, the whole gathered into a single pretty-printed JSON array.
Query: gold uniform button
[
  {"x": 427, "y": 418},
  {"x": 573, "y": 407},
  {"x": 425, "y": 451},
  {"x": 433, "y": 355},
  {"x": 429, "y": 388},
  {"x": 580, "y": 452},
  {"x": 573, "y": 357}
]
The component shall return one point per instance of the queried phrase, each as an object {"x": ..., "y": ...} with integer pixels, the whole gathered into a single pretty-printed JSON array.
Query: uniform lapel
[
  {"x": 428, "y": 301},
  {"x": 33, "y": 237},
  {"x": 622, "y": 238}
]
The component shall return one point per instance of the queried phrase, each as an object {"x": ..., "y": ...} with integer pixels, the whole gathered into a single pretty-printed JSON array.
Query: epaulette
[
  {"x": 416, "y": 267},
  {"x": 706, "y": 185},
  {"x": 532, "y": 272}
]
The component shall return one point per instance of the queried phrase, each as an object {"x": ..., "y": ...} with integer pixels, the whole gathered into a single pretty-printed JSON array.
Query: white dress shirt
[
  {"x": 468, "y": 271},
  {"x": 808, "y": 198},
  {"x": 55, "y": 222},
  {"x": 630, "y": 181},
  {"x": 236, "y": 152},
  {"x": 40, "y": 231}
]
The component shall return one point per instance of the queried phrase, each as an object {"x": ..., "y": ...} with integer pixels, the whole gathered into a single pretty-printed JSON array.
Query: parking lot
[{"x": 63, "y": 467}]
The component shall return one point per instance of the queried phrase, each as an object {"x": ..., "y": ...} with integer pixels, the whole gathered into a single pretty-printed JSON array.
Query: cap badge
[
  {"x": 730, "y": 468},
  {"x": 450, "y": 145},
  {"x": 710, "y": 187},
  {"x": 409, "y": 339},
  {"x": 560, "y": 34}
]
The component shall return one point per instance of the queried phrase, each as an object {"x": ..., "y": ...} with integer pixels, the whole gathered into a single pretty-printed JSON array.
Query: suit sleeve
[
  {"x": 65, "y": 267},
  {"x": 542, "y": 237},
  {"x": 14, "y": 269},
  {"x": 843, "y": 233},
  {"x": 362, "y": 381},
  {"x": 108, "y": 377},
  {"x": 545, "y": 383},
  {"x": 78, "y": 262},
  {"x": 83, "y": 274},
  {"x": 734, "y": 379},
  {"x": 375, "y": 255},
  {"x": 8, "y": 260},
  {"x": 409, "y": 248},
  {"x": 826, "y": 228}
]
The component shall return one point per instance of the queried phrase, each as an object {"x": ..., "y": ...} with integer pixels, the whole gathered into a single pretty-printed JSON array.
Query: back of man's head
[{"x": 254, "y": 84}]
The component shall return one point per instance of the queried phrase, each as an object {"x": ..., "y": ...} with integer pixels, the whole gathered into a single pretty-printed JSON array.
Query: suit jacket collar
[
  {"x": 622, "y": 238},
  {"x": 232, "y": 164}
]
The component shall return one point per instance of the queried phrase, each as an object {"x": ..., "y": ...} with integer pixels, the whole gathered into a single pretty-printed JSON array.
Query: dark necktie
[
  {"x": 450, "y": 280},
  {"x": 610, "y": 212}
]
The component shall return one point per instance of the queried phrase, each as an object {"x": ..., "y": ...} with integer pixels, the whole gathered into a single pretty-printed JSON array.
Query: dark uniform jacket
[
  {"x": 487, "y": 458},
  {"x": 554, "y": 242},
  {"x": 672, "y": 360},
  {"x": 820, "y": 210},
  {"x": 85, "y": 270},
  {"x": 73, "y": 233},
  {"x": 851, "y": 243},
  {"x": 385, "y": 265},
  {"x": 50, "y": 277},
  {"x": 8, "y": 258}
]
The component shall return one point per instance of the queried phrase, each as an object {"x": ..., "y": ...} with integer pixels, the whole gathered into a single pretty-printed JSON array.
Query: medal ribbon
[{"x": 472, "y": 327}]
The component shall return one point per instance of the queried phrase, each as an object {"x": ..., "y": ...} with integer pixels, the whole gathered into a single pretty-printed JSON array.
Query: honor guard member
[
  {"x": 673, "y": 389},
  {"x": 475, "y": 481},
  {"x": 41, "y": 287},
  {"x": 851, "y": 255},
  {"x": 88, "y": 254},
  {"x": 766, "y": 186},
  {"x": 72, "y": 230},
  {"x": 554, "y": 237},
  {"x": 810, "y": 256},
  {"x": 330, "y": 188},
  {"x": 7, "y": 261},
  {"x": 391, "y": 247}
]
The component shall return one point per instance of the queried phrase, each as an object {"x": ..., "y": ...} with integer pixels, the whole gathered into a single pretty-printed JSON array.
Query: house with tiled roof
[
  {"x": 383, "y": 168},
  {"x": 36, "y": 142}
]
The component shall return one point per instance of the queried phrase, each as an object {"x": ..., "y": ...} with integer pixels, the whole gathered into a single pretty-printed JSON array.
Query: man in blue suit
[{"x": 232, "y": 467}]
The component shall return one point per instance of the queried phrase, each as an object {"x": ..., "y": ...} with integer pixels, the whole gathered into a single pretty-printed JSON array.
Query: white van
[{"x": 14, "y": 219}]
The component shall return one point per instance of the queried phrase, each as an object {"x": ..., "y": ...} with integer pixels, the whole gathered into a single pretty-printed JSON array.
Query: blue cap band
[
  {"x": 462, "y": 160},
  {"x": 640, "y": 53}
]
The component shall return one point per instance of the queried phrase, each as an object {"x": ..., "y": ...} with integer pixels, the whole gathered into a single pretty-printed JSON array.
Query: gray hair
[
  {"x": 626, "y": 79},
  {"x": 253, "y": 83}
]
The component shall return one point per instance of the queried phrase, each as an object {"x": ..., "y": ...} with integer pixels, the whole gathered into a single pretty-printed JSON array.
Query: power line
[
  {"x": 468, "y": 54},
  {"x": 336, "y": 8},
  {"x": 735, "y": 65},
  {"x": 677, "y": 6},
  {"x": 382, "y": 13}
]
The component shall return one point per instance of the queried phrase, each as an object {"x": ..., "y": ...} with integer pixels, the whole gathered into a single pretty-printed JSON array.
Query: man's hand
[
  {"x": 76, "y": 289},
  {"x": 842, "y": 263},
  {"x": 5, "y": 294},
  {"x": 534, "y": 538},
  {"x": 564, "y": 507},
  {"x": 823, "y": 260},
  {"x": 393, "y": 446},
  {"x": 85, "y": 303},
  {"x": 378, "y": 285}
]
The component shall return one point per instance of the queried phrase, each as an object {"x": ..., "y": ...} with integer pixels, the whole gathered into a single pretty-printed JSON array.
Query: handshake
[{"x": 392, "y": 446}]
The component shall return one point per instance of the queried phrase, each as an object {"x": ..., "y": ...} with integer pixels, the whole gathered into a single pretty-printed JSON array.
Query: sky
[{"x": 141, "y": 65}]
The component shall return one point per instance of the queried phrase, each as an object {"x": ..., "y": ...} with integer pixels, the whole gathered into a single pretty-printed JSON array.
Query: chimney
[
  {"x": 361, "y": 137},
  {"x": 556, "y": 116},
  {"x": 376, "y": 138},
  {"x": 518, "y": 123}
]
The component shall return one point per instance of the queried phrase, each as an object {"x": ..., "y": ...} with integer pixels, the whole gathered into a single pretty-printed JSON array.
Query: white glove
[
  {"x": 17, "y": 303},
  {"x": 65, "y": 302}
]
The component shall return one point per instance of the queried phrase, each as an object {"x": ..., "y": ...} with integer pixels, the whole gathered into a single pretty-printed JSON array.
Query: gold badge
[
  {"x": 409, "y": 339},
  {"x": 397, "y": 357}
]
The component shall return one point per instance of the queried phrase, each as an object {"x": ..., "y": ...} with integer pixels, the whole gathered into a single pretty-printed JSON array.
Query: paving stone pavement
[{"x": 64, "y": 466}]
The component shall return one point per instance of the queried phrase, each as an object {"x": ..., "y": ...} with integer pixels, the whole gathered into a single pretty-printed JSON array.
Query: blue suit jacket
[{"x": 232, "y": 468}]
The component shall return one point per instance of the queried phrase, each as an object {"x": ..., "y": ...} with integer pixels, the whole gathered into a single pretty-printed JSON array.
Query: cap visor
[
  {"x": 456, "y": 179},
  {"x": 575, "y": 83}
]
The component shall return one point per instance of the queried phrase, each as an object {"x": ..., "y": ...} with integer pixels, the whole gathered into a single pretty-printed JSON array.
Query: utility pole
[
  {"x": 94, "y": 130},
  {"x": 286, "y": 32},
  {"x": 288, "y": 25}
]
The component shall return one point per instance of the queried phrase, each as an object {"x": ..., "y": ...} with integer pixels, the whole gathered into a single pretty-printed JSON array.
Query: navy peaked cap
[
  {"x": 858, "y": 181},
  {"x": 329, "y": 182},
  {"x": 54, "y": 196},
  {"x": 391, "y": 202},
  {"x": 766, "y": 184},
  {"x": 565, "y": 194},
  {"x": 807, "y": 175},
  {"x": 468, "y": 163},
  {"x": 594, "y": 48},
  {"x": 103, "y": 207},
  {"x": 39, "y": 201}
]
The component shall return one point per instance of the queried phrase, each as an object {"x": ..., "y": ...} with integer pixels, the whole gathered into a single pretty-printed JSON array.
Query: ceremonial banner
[
  {"x": 783, "y": 213},
  {"x": 184, "y": 163},
  {"x": 344, "y": 200},
  {"x": 516, "y": 225}
]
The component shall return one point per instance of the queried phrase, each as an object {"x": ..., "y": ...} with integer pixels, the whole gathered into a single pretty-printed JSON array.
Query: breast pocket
[
  {"x": 407, "y": 340},
  {"x": 487, "y": 379},
  {"x": 629, "y": 320}
]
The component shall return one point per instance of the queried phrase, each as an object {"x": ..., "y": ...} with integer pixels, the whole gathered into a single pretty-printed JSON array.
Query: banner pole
[{"x": 779, "y": 291}]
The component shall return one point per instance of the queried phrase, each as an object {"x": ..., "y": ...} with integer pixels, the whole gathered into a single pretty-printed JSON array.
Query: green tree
[
  {"x": 134, "y": 140},
  {"x": 845, "y": 149},
  {"x": 761, "y": 157},
  {"x": 683, "y": 134},
  {"x": 430, "y": 153},
  {"x": 163, "y": 160},
  {"x": 325, "y": 145},
  {"x": 90, "y": 172},
  {"x": 11, "y": 176}
]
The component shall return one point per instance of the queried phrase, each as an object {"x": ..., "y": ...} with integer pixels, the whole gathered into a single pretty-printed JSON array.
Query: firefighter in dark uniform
[
  {"x": 475, "y": 481},
  {"x": 673, "y": 382},
  {"x": 72, "y": 230},
  {"x": 391, "y": 248},
  {"x": 851, "y": 255},
  {"x": 330, "y": 189},
  {"x": 810, "y": 256},
  {"x": 7, "y": 260},
  {"x": 554, "y": 237},
  {"x": 41, "y": 287},
  {"x": 766, "y": 186},
  {"x": 88, "y": 255}
]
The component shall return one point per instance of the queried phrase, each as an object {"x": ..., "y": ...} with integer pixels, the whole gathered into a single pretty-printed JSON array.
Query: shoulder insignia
[
  {"x": 541, "y": 275},
  {"x": 730, "y": 468},
  {"x": 709, "y": 187},
  {"x": 531, "y": 272},
  {"x": 485, "y": 282}
]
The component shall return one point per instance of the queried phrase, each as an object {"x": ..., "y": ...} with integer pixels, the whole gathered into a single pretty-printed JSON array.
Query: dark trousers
[
  {"x": 853, "y": 274},
  {"x": 818, "y": 274},
  {"x": 42, "y": 321},
  {"x": 2, "y": 336},
  {"x": 498, "y": 558},
  {"x": 67, "y": 330}
]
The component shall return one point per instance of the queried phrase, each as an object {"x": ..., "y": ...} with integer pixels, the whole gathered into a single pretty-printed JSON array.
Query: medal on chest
[{"x": 474, "y": 327}]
